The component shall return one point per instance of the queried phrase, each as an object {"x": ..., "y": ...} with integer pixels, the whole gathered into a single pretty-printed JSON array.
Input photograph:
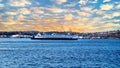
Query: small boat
[{"x": 54, "y": 37}]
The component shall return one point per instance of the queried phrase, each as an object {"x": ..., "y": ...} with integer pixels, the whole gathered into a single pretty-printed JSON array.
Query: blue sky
[{"x": 60, "y": 15}]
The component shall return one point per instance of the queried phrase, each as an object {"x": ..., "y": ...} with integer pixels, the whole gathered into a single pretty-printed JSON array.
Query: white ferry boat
[{"x": 54, "y": 36}]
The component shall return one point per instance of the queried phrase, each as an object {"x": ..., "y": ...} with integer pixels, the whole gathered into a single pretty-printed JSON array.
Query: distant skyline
[{"x": 60, "y": 15}]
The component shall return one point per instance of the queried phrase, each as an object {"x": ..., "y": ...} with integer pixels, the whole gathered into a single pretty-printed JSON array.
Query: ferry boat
[{"x": 54, "y": 37}]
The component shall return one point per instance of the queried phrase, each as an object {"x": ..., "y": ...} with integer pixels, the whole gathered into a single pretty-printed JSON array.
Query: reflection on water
[{"x": 83, "y": 53}]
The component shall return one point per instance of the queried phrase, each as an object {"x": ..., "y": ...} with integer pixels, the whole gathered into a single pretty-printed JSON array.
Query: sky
[{"x": 60, "y": 15}]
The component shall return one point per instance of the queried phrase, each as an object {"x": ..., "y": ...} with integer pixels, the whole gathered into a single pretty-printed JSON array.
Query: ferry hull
[{"x": 54, "y": 38}]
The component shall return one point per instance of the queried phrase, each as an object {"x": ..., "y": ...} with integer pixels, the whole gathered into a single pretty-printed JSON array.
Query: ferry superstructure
[{"x": 54, "y": 36}]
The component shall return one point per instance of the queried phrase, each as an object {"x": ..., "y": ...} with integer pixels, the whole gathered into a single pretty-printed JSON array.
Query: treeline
[
  {"x": 104, "y": 35},
  {"x": 28, "y": 34}
]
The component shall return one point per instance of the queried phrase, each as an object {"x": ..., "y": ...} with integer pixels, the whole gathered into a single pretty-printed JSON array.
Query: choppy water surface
[{"x": 83, "y": 53}]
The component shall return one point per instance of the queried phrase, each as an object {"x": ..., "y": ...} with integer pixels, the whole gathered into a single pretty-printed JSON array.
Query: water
[{"x": 83, "y": 53}]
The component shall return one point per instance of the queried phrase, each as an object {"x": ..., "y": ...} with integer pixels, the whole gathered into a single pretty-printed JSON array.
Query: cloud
[
  {"x": 3, "y": 27},
  {"x": 82, "y": 21},
  {"x": 84, "y": 14},
  {"x": 72, "y": 4},
  {"x": 59, "y": 1},
  {"x": 116, "y": 14},
  {"x": 106, "y": 6},
  {"x": 107, "y": 16},
  {"x": 56, "y": 10},
  {"x": 68, "y": 17},
  {"x": 99, "y": 12},
  {"x": 106, "y": 0},
  {"x": 11, "y": 13},
  {"x": 36, "y": 10},
  {"x": 110, "y": 25},
  {"x": 24, "y": 11},
  {"x": 83, "y": 2},
  {"x": 1, "y": 5},
  {"x": 19, "y": 3},
  {"x": 9, "y": 22},
  {"x": 20, "y": 17},
  {"x": 110, "y": 15},
  {"x": 115, "y": 20},
  {"x": 86, "y": 9},
  {"x": 118, "y": 6},
  {"x": 17, "y": 27}
]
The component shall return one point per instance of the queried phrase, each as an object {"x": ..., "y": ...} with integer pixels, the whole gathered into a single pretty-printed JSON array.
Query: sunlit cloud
[
  {"x": 9, "y": 23},
  {"x": 11, "y": 13},
  {"x": 83, "y": 2},
  {"x": 86, "y": 9},
  {"x": 99, "y": 12},
  {"x": 106, "y": 0},
  {"x": 55, "y": 10},
  {"x": 21, "y": 17},
  {"x": 107, "y": 16},
  {"x": 24, "y": 11},
  {"x": 110, "y": 25},
  {"x": 36, "y": 10},
  {"x": 116, "y": 14},
  {"x": 111, "y": 15},
  {"x": 106, "y": 6},
  {"x": 59, "y": 1},
  {"x": 84, "y": 14},
  {"x": 19, "y": 3},
  {"x": 68, "y": 17}
]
